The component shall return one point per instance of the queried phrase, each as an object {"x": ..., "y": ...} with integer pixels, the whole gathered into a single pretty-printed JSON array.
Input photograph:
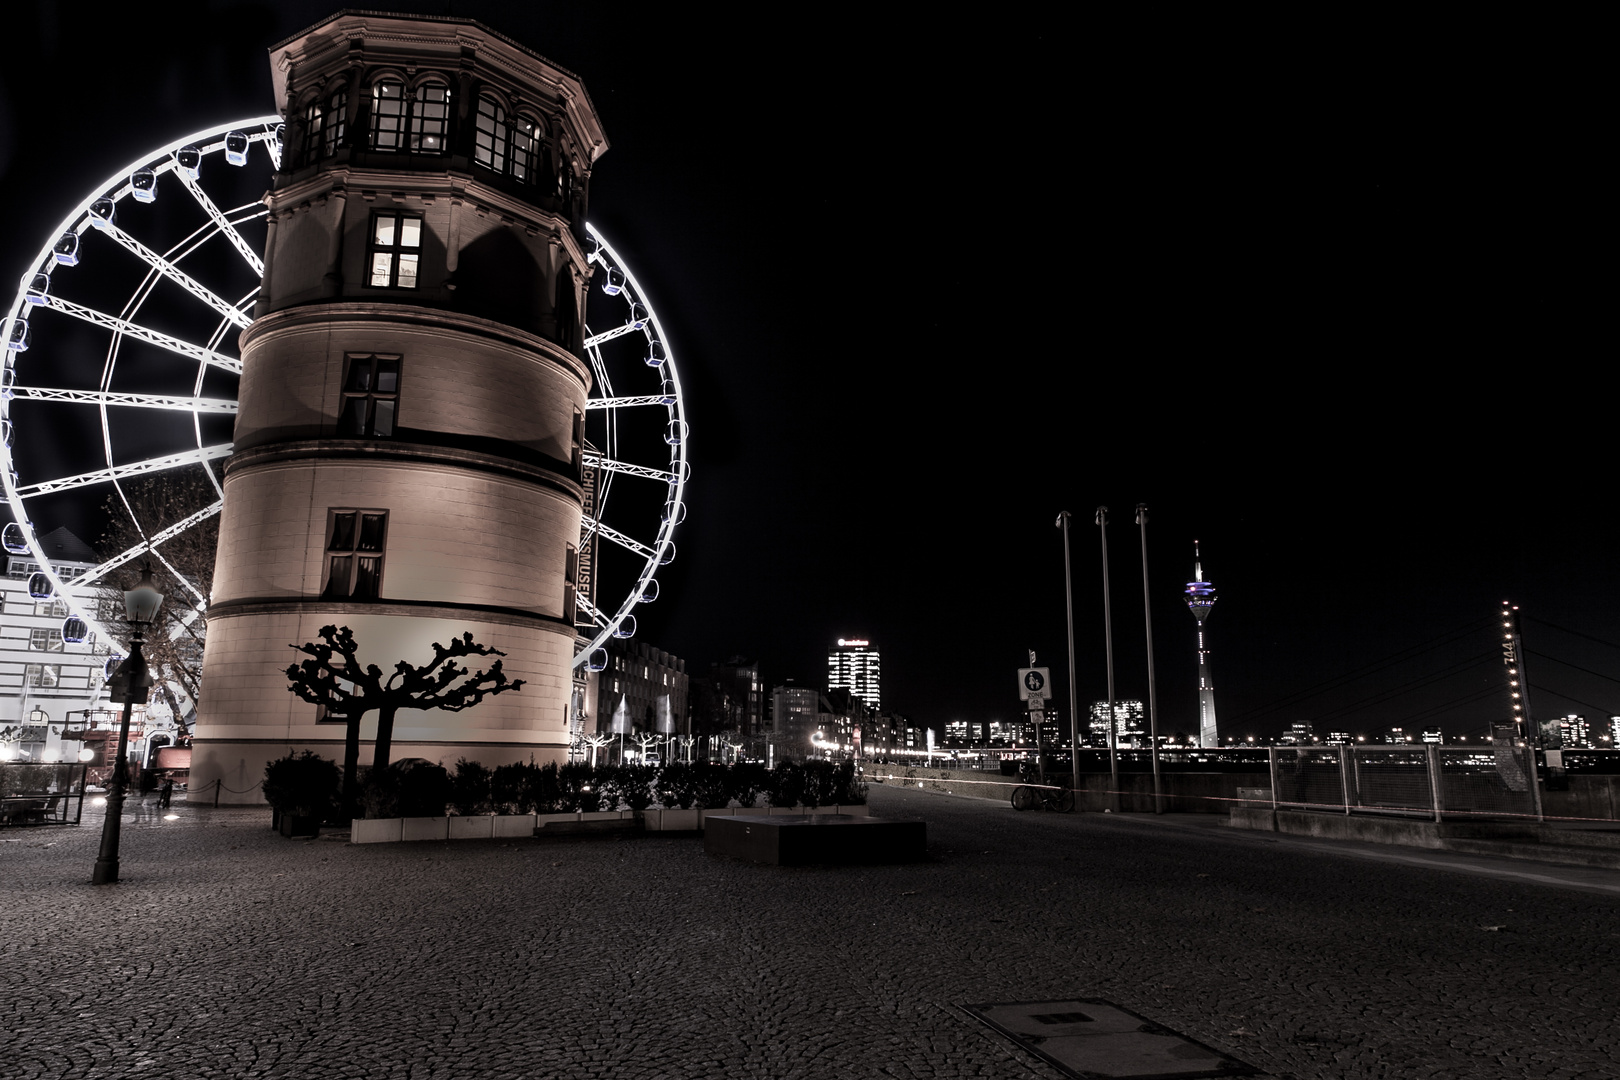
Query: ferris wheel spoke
[
  {"x": 151, "y": 337},
  {"x": 96, "y": 573},
  {"x": 606, "y": 464},
  {"x": 176, "y": 275},
  {"x": 238, "y": 241},
  {"x": 141, "y": 401},
  {"x": 134, "y": 468},
  {"x": 609, "y": 532},
  {"x": 608, "y": 335},
  {"x": 626, "y": 402}
]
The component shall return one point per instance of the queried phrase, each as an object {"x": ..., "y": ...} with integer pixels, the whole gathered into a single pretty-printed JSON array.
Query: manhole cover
[{"x": 1085, "y": 1037}]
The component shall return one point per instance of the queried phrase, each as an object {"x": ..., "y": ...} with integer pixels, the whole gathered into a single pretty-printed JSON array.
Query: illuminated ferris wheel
[{"x": 120, "y": 363}]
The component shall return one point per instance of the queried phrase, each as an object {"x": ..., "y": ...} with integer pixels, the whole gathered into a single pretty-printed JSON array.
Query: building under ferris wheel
[{"x": 427, "y": 428}]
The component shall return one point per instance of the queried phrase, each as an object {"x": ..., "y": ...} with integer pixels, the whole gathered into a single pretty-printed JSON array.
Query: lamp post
[
  {"x": 1074, "y": 692},
  {"x": 1108, "y": 638},
  {"x": 129, "y": 684},
  {"x": 1153, "y": 703}
]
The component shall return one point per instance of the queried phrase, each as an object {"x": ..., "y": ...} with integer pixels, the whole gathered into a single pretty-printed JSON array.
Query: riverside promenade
[{"x": 227, "y": 951}]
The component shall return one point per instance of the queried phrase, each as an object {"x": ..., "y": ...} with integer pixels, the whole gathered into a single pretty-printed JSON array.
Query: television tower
[{"x": 1200, "y": 598}]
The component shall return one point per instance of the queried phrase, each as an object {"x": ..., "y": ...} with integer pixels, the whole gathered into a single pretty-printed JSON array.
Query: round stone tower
[{"x": 408, "y": 449}]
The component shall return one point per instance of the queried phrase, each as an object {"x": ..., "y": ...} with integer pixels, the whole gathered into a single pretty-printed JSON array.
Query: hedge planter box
[
  {"x": 509, "y": 826},
  {"x": 672, "y": 820},
  {"x": 470, "y": 827},
  {"x": 297, "y": 825},
  {"x": 474, "y": 827},
  {"x": 587, "y": 821},
  {"x": 377, "y": 830},
  {"x": 512, "y": 826},
  {"x": 427, "y": 828}
]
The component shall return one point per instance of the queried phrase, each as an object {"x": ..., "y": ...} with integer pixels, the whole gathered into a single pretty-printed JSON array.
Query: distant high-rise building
[
  {"x": 1130, "y": 721},
  {"x": 1432, "y": 735},
  {"x": 1396, "y": 735},
  {"x": 1614, "y": 731},
  {"x": 1340, "y": 738},
  {"x": 854, "y": 665},
  {"x": 794, "y": 714},
  {"x": 1577, "y": 732},
  {"x": 738, "y": 681},
  {"x": 1299, "y": 733},
  {"x": 1200, "y": 599}
]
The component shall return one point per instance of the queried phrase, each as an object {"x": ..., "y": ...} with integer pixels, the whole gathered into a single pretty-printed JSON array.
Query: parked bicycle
[{"x": 1030, "y": 796}]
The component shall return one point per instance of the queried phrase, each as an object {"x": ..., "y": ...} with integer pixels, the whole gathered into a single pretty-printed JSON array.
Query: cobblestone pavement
[{"x": 228, "y": 951}]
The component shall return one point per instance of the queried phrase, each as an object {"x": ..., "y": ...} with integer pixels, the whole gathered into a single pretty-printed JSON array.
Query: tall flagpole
[
  {"x": 1074, "y": 692},
  {"x": 1153, "y": 698},
  {"x": 1108, "y": 637}
]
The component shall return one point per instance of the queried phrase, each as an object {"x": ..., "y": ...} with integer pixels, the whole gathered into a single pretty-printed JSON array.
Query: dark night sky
[{"x": 1315, "y": 293}]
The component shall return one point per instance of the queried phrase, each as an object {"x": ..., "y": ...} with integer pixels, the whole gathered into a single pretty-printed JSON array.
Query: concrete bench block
[{"x": 804, "y": 839}]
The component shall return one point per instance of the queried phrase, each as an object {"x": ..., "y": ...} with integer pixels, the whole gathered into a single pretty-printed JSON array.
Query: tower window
[
  {"x": 388, "y": 115},
  {"x": 370, "y": 397},
  {"x": 395, "y": 251},
  {"x": 525, "y": 141},
  {"x": 324, "y": 125},
  {"x": 490, "y": 142},
  {"x": 354, "y": 553},
  {"x": 430, "y": 119}
]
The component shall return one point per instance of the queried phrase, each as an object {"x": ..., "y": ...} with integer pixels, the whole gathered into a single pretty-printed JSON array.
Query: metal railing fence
[{"x": 1429, "y": 781}]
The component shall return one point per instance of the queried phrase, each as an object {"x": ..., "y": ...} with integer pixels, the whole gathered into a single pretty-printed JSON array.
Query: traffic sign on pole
[{"x": 1033, "y": 681}]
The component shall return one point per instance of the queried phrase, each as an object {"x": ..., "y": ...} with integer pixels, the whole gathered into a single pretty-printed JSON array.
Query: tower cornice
[
  {"x": 353, "y": 38},
  {"x": 457, "y": 188},
  {"x": 433, "y": 319}
]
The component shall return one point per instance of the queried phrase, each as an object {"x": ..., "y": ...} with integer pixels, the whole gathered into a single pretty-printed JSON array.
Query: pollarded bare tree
[
  {"x": 334, "y": 678},
  {"x": 174, "y": 646}
]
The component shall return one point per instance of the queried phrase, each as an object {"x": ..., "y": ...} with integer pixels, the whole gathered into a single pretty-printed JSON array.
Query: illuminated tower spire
[{"x": 1200, "y": 598}]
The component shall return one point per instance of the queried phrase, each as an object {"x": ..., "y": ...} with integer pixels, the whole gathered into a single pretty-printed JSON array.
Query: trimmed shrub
[
  {"x": 677, "y": 786},
  {"x": 787, "y": 784},
  {"x": 631, "y": 785},
  {"x": 820, "y": 783},
  {"x": 713, "y": 784},
  {"x": 470, "y": 788},
  {"x": 578, "y": 787},
  {"x": 848, "y": 788},
  {"x": 409, "y": 788},
  {"x": 748, "y": 779},
  {"x": 303, "y": 785},
  {"x": 524, "y": 788}
]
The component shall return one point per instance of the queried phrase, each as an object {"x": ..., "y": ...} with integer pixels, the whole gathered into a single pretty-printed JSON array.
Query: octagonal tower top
[{"x": 461, "y": 48}]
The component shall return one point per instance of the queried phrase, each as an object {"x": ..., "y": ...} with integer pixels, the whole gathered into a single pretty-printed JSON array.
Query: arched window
[
  {"x": 314, "y": 132},
  {"x": 337, "y": 122},
  {"x": 324, "y": 123},
  {"x": 430, "y": 119},
  {"x": 490, "y": 142},
  {"x": 388, "y": 115},
  {"x": 525, "y": 144}
]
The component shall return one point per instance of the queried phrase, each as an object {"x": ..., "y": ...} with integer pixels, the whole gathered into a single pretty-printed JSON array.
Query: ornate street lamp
[{"x": 129, "y": 684}]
